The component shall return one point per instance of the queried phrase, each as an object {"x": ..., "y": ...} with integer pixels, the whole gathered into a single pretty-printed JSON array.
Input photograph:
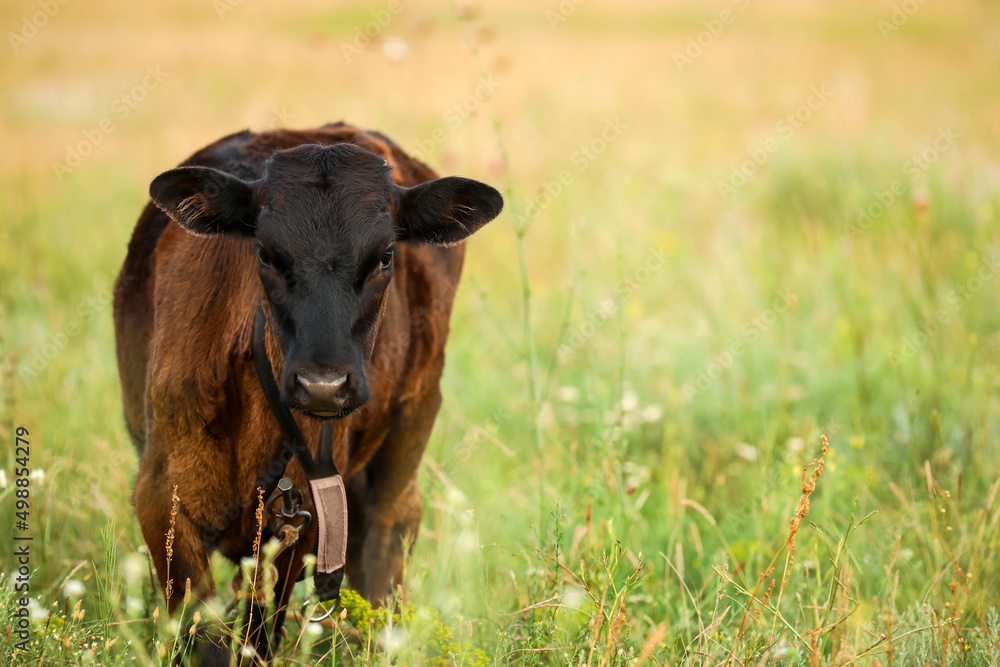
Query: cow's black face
[
  {"x": 326, "y": 245},
  {"x": 326, "y": 221}
]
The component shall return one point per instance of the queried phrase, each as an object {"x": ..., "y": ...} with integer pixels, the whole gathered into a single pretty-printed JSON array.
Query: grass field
[{"x": 732, "y": 228}]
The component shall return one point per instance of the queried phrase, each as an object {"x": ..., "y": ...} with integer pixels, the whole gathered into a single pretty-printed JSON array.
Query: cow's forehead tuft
[
  {"x": 322, "y": 199},
  {"x": 339, "y": 164}
]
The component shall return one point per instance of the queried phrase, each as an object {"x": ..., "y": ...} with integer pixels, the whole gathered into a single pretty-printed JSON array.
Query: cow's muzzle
[
  {"x": 327, "y": 394},
  {"x": 323, "y": 395}
]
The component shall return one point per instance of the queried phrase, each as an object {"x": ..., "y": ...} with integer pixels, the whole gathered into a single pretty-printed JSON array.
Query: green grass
[{"x": 689, "y": 350}]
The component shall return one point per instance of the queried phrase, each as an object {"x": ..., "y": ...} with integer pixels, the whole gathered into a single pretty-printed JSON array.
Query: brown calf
[{"x": 354, "y": 251}]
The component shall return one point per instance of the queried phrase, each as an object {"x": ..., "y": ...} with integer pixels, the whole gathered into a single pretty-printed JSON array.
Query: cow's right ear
[
  {"x": 205, "y": 200},
  {"x": 447, "y": 210}
]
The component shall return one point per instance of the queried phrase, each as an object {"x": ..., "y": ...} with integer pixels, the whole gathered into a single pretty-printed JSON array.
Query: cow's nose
[{"x": 319, "y": 392}]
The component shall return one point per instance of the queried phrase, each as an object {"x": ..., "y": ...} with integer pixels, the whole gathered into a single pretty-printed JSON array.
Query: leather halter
[
  {"x": 314, "y": 470},
  {"x": 322, "y": 474}
]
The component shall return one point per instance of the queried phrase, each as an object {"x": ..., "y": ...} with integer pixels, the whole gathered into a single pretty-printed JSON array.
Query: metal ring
[
  {"x": 317, "y": 619},
  {"x": 278, "y": 511}
]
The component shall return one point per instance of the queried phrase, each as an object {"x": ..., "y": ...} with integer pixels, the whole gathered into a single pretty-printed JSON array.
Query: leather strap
[
  {"x": 331, "y": 517},
  {"x": 326, "y": 467},
  {"x": 325, "y": 482}
]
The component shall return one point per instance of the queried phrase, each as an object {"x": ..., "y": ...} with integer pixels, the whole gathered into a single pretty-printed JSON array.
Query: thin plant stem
[{"x": 520, "y": 226}]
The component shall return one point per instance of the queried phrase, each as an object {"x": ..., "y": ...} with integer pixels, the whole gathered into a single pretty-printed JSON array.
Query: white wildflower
[
  {"x": 651, "y": 413},
  {"x": 568, "y": 394},
  {"x": 74, "y": 588},
  {"x": 395, "y": 49}
]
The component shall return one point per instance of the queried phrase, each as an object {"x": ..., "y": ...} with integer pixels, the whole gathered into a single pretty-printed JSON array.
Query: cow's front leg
[
  {"x": 394, "y": 506},
  {"x": 262, "y": 624},
  {"x": 391, "y": 527},
  {"x": 188, "y": 559},
  {"x": 173, "y": 539}
]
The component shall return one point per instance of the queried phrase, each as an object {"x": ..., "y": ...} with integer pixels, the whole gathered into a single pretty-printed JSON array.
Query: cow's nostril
[{"x": 321, "y": 390}]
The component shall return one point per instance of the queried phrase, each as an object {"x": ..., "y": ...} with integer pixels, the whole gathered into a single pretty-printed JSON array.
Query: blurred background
[{"x": 731, "y": 227}]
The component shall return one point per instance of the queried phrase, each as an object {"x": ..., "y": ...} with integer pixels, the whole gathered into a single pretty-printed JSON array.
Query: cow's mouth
[{"x": 321, "y": 415}]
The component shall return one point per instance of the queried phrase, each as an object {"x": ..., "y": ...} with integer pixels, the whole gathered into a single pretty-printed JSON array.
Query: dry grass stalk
[
  {"x": 616, "y": 627},
  {"x": 174, "y": 505},
  {"x": 767, "y": 597},
  {"x": 259, "y": 514},
  {"x": 809, "y": 480},
  {"x": 815, "y": 656},
  {"x": 655, "y": 637},
  {"x": 802, "y": 509},
  {"x": 596, "y": 622}
]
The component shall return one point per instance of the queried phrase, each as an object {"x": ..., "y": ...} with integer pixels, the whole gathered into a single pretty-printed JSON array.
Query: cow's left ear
[
  {"x": 206, "y": 200},
  {"x": 447, "y": 210}
]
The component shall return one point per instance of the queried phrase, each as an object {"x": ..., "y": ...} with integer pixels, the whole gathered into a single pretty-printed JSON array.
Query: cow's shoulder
[{"x": 204, "y": 303}]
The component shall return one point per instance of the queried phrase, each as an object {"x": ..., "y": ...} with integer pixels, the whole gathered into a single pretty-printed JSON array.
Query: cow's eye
[
  {"x": 386, "y": 260},
  {"x": 265, "y": 259}
]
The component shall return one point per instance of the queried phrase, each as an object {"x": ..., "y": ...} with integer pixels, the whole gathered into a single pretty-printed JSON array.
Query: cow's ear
[
  {"x": 205, "y": 200},
  {"x": 447, "y": 210}
]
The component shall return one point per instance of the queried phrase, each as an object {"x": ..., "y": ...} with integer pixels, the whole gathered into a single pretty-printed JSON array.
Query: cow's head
[{"x": 325, "y": 221}]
